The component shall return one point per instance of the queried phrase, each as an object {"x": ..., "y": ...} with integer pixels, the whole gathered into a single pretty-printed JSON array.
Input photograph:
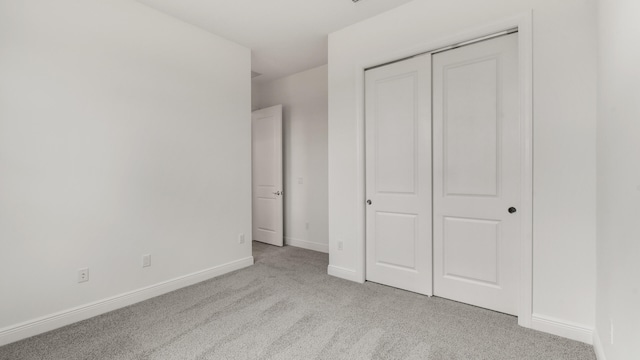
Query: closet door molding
[{"x": 523, "y": 23}]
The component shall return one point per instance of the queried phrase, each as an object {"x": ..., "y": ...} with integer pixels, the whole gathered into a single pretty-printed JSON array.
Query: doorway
[{"x": 267, "y": 187}]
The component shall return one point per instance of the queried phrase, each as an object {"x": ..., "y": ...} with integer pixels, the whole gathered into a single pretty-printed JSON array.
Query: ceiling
[{"x": 285, "y": 36}]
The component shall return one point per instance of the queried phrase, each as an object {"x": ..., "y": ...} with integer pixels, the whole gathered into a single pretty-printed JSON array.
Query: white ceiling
[{"x": 285, "y": 36}]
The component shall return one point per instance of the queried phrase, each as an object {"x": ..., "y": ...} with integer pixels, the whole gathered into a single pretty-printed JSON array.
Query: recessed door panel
[
  {"x": 398, "y": 175},
  {"x": 265, "y": 149},
  {"x": 476, "y": 174},
  {"x": 396, "y": 239},
  {"x": 395, "y": 132},
  {"x": 471, "y": 127},
  {"x": 471, "y": 250}
]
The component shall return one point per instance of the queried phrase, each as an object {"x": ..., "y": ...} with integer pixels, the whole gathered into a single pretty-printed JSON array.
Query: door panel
[
  {"x": 471, "y": 128},
  {"x": 471, "y": 249},
  {"x": 476, "y": 174},
  {"x": 266, "y": 130},
  {"x": 395, "y": 132},
  {"x": 396, "y": 239},
  {"x": 398, "y": 173}
]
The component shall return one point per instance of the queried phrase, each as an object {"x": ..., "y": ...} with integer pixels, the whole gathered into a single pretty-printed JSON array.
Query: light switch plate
[{"x": 146, "y": 260}]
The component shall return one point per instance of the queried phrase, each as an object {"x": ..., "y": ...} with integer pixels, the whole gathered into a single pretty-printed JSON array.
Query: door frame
[{"x": 523, "y": 23}]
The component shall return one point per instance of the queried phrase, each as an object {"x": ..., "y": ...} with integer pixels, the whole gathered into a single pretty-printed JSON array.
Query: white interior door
[
  {"x": 266, "y": 135},
  {"x": 476, "y": 174},
  {"x": 398, "y": 175}
]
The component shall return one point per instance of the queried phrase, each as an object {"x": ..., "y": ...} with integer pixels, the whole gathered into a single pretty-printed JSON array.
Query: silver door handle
[{"x": 278, "y": 193}]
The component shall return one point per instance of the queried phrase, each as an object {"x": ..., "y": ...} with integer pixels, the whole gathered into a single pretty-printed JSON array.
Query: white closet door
[
  {"x": 266, "y": 138},
  {"x": 398, "y": 175},
  {"x": 476, "y": 174}
]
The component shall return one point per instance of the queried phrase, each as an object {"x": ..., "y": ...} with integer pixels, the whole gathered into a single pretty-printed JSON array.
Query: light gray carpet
[{"x": 287, "y": 307}]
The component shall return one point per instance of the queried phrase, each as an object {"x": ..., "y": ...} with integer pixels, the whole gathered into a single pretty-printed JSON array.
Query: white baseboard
[
  {"x": 307, "y": 245},
  {"x": 53, "y": 321},
  {"x": 597, "y": 346},
  {"x": 562, "y": 328},
  {"x": 343, "y": 273}
]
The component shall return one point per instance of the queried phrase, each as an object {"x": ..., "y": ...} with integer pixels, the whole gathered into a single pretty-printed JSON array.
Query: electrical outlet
[
  {"x": 306, "y": 225},
  {"x": 146, "y": 260},
  {"x": 83, "y": 275},
  {"x": 241, "y": 239},
  {"x": 611, "y": 331},
  {"x": 340, "y": 245}
]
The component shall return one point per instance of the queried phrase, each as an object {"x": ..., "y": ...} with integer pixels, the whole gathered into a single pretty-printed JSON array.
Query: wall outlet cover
[{"x": 83, "y": 275}]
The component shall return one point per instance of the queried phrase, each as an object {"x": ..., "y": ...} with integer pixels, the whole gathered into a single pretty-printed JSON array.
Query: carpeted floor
[{"x": 287, "y": 307}]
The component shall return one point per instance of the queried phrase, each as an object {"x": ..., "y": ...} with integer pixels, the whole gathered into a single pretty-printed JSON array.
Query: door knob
[
  {"x": 276, "y": 193},
  {"x": 512, "y": 210},
  {"x": 368, "y": 202}
]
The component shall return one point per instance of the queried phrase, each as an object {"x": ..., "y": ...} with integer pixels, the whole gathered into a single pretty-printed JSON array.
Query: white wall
[
  {"x": 564, "y": 62},
  {"x": 618, "y": 180},
  {"x": 122, "y": 132},
  {"x": 304, "y": 98}
]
